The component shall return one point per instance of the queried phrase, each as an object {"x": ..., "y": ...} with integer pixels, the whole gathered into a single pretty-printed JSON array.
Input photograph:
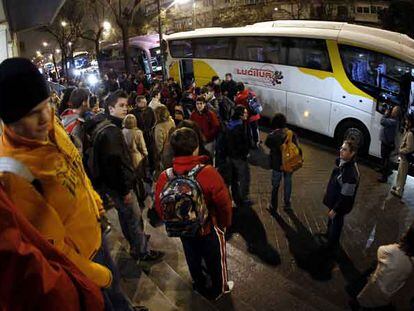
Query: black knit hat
[{"x": 22, "y": 87}]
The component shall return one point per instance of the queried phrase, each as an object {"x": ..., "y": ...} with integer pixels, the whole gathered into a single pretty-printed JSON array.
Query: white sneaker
[{"x": 230, "y": 286}]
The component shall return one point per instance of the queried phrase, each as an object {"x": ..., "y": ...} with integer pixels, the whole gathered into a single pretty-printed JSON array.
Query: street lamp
[
  {"x": 64, "y": 24},
  {"x": 57, "y": 51},
  {"x": 45, "y": 44}
]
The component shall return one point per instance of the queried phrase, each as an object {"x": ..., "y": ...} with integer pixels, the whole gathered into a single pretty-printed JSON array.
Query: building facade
[{"x": 190, "y": 14}]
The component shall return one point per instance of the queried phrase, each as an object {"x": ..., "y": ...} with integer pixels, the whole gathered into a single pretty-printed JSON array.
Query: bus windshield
[{"x": 374, "y": 72}]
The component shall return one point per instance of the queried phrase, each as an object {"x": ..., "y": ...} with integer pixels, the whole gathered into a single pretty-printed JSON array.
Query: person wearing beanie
[
  {"x": 61, "y": 204},
  {"x": 237, "y": 150}
]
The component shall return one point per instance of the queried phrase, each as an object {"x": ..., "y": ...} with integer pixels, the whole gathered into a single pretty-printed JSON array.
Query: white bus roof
[
  {"x": 391, "y": 43},
  {"x": 143, "y": 42}
]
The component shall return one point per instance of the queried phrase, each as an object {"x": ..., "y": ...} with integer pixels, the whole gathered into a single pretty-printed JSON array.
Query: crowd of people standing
[{"x": 135, "y": 148}]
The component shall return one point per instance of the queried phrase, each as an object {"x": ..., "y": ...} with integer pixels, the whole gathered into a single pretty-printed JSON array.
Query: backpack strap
[
  {"x": 10, "y": 165},
  {"x": 289, "y": 136},
  {"x": 170, "y": 173},
  {"x": 195, "y": 170}
]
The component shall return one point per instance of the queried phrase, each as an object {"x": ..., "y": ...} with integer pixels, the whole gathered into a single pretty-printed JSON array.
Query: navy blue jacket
[{"x": 342, "y": 187}]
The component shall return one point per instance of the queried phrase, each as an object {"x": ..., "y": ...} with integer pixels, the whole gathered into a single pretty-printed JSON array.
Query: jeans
[
  {"x": 287, "y": 187},
  {"x": 132, "y": 225},
  {"x": 334, "y": 229},
  {"x": 240, "y": 180},
  {"x": 114, "y": 298}
]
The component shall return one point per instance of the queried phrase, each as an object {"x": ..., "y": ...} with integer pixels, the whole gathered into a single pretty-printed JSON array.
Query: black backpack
[
  {"x": 183, "y": 205},
  {"x": 90, "y": 158}
]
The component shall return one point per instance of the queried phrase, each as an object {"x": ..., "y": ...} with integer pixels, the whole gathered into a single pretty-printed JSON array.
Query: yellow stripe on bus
[{"x": 338, "y": 72}]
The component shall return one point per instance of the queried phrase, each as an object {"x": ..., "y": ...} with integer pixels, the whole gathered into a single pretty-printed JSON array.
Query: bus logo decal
[{"x": 269, "y": 76}]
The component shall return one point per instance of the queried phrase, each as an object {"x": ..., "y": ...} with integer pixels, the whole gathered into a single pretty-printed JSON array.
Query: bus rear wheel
[{"x": 355, "y": 131}]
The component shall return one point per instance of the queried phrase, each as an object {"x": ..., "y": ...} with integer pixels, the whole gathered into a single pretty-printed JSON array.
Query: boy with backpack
[
  {"x": 285, "y": 158},
  {"x": 247, "y": 98},
  {"x": 193, "y": 200}
]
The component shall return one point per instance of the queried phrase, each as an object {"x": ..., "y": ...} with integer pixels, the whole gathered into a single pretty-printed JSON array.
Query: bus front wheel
[{"x": 355, "y": 131}]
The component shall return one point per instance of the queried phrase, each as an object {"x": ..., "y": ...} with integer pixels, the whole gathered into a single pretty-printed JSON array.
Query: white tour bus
[
  {"x": 145, "y": 55},
  {"x": 332, "y": 78}
]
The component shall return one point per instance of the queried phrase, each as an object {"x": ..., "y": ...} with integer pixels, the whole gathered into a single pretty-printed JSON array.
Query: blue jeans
[
  {"x": 132, "y": 225},
  {"x": 114, "y": 298},
  {"x": 287, "y": 187}
]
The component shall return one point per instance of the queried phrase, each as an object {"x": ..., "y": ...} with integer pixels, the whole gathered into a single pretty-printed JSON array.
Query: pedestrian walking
[
  {"x": 163, "y": 128},
  {"x": 134, "y": 139},
  {"x": 246, "y": 97},
  {"x": 199, "y": 194},
  {"x": 61, "y": 203},
  {"x": 237, "y": 150},
  {"x": 207, "y": 121},
  {"x": 113, "y": 175},
  {"x": 395, "y": 264},
  {"x": 280, "y": 135},
  {"x": 389, "y": 123},
  {"x": 405, "y": 151},
  {"x": 229, "y": 87},
  {"x": 341, "y": 191},
  {"x": 146, "y": 123}
]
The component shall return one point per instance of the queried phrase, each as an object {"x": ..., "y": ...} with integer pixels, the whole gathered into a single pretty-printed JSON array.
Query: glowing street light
[
  {"x": 70, "y": 43},
  {"x": 276, "y": 9},
  {"x": 45, "y": 44},
  {"x": 64, "y": 24},
  {"x": 107, "y": 25},
  {"x": 57, "y": 51},
  {"x": 38, "y": 53}
]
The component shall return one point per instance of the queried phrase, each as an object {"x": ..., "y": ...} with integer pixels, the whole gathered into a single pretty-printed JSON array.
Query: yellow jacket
[{"x": 68, "y": 211}]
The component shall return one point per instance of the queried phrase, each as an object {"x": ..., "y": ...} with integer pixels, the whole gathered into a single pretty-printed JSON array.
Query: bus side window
[
  {"x": 309, "y": 53},
  {"x": 375, "y": 72}
]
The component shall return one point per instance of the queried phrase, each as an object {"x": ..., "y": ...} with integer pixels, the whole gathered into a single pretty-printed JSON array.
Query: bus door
[{"x": 186, "y": 72}]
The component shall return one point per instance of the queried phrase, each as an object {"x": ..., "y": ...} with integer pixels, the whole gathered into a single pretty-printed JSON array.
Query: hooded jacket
[
  {"x": 67, "y": 213},
  {"x": 29, "y": 264},
  {"x": 214, "y": 189},
  {"x": 208, "y": 123}
]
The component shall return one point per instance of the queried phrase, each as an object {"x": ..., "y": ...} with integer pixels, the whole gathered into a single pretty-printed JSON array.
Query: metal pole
[
  {"x": 194, "y": 25},
  {"x": 164, "y": 75}
]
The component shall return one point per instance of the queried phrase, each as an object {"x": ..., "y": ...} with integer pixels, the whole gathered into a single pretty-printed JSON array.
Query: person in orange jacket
[
  {"x": 29, "y": 264},
  {"x": 65, "y": 209}
]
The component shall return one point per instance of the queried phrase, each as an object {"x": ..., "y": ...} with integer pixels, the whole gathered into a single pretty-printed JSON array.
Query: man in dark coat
[
  {"x": 341, "y": 191},
  {"x": 237, "y": 150}
]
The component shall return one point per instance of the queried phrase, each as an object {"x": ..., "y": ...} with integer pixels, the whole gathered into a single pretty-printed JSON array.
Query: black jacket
[
  {"x": 230, "y": 87},
  {"x": 342, "y": 187},
  {"x": 113, "y": 160},
  {"x": 273, "y": 141},
  {"x": 146, "y": 123},
  {"x": 237, "y": 140}
]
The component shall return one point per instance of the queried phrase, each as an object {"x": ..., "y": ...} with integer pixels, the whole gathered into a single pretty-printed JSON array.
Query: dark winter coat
[
  {"x": 237, "y": 140},
  {"x": 230, "y": 87},
  {"x": 113, "y": 160},
  {"x": 342, "y": 187}
]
